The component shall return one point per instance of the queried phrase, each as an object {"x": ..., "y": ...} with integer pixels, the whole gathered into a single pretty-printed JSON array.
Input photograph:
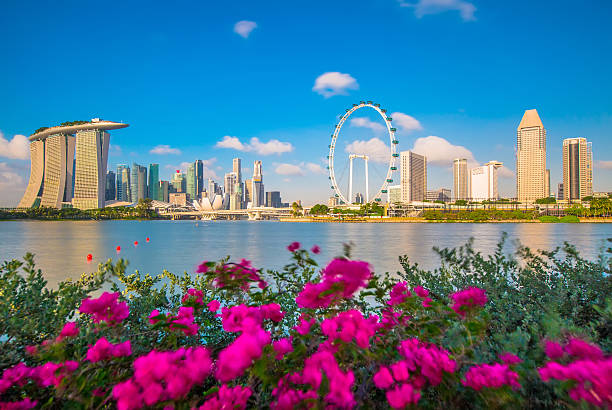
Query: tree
[
  {"x": 319, "y": 209},
  {"x": 144, "y": 207},
  {"x": 461, "y": 202},
  {"x": 546, "y": 200},
  {"x": 297, "y": 209}
]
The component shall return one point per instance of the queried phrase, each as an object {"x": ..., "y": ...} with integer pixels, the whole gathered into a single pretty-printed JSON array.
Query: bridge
[{"x": 252, "y": 214}]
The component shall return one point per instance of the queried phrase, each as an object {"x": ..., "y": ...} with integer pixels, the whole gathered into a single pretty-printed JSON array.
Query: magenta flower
[
  {"x": 194, "y": 295},
  {"x": 240, "y": 354},
  {"x": 383, "y": 379},
  {"x": 399, "y": 294},
  {"x": 467, "y": 299},
  {"x": 228, "y": 398},
  {"x": 510, "y": 358},
  {"x": 553, "y": 349},
  {"x": 282, "y": 347},
  {"x": 582, "y": 350},
  {"x": 103, "y": 350},
  {"x": 491, "y": 376},
  {"x": 70, "y": 329},
  {"x": 293, "y": 246},
  {"x": 315, "y": 249},
  {"x": 349, "y": 325},
  {"x": 184, "y": 321},
  {"x": 304, "y": 325},
  {"x": 106, "y": 308},
  {"x": 403, "y": 395},
  {"x": 214, "y": 305},
  {"x": 152, "y": 317},
  {"x": 202, "y": 267},
  {"x": 24, "y": 404}
]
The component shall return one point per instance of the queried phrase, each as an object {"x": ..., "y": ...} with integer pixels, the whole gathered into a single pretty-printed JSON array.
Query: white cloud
[
  {"x": 374, "y": 148},
  {"x": 244, "y": 28},
  {"x": 17, "y": 148},
  {"x": 505, "y": 172},
  {"x": 114, "y": 149},
  {"x": 165, "y": 150},
  {"x": 406, "y": 122},
  {"x": 273, "y": 146},
  {"x": 315, "y": 168},
  {"x": 12, "y": 186},
  {"x": 424, "y": 7},
  {"x": 367, "y": 123},
  {"x": 604, "y": 164},
  {"x": 289, "y": 169},
  {"x": 441, "y": 152},
  {"x": 334, "y": 83}
]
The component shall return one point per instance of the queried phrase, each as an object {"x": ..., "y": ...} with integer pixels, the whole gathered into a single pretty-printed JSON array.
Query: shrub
[
  {"x": 569, "y": 219},
  {"x": 477, "y": 332},
  {"x": 549, "y": 218}
]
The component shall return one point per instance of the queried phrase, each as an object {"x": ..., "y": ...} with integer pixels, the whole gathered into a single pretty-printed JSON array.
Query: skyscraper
[
  {"x": 237, "y": 169},
  {"x": 530, "y": 158},
  {"x": 123, "y": 183},
  {"x": 110, "y": 186},
  {"x": 248, "y": 191},
  {"x": 163, "y": 191},
  {"x": 229, "y": 183},
  {"x": 577, "y": 168},
  {"x": 483, "y": 181},
  {"x": 273, "y": 199},
  {"x": 547, "y": 183},
  {"x": 413, "y": 176},
  {"x": 199, "y": 178},
  {"x": 138, "y": 183},
  {"x": 460, "y": 178},
  {"x": 154, "y": 182},
  {"x": 258, "y": 194},
  {"x": 191, "y": 181},
  {"x": 178, "y": 182},
  {"x": 56, "y": 177}
]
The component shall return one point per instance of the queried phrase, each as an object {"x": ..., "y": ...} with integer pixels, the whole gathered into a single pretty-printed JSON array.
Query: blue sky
[{"x": 186, "y": 75}]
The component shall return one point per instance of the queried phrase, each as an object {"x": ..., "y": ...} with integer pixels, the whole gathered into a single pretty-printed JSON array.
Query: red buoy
[
  {"x": 118, "y": 249},
  {"x": 89, "y": 257},
  {"x": 147, "y": 239},
  {"x": 135, "y": 243},
  {"x": 178, "y": 171}
]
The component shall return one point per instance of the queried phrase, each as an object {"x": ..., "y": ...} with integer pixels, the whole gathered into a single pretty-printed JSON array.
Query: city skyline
[{"x": 280, "y": 109}]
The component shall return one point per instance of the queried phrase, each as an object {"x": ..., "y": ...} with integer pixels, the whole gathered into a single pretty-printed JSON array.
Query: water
[{"x": 61, "y": 247}]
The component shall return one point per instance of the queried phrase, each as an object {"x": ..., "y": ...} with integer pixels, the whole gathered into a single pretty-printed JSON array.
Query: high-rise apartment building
[
  {"x": 138, "y": 181},
  {"x": 124, "y": 192},
  {"x": 178, "y": 182},
  {"x": 413, "y": 179},
  {"x": 577, "y": 168},
  {"x": 110, "y": 191},
  {"x": 199, "y": 178},
  {"x": 258, "y": 194},
  {"x": 273, "y": 199},
  {"x": 530, "y": 158},
  {"x": 191, "y": 181},
  {"x": 547, "y": 183},
  {"x": 154, "y": 182},
  {"x": 229, "y": 183},
  {"x": 236, "y": 164},
  {"x": 483, "y": 181},
  {"x": 442, "y": 194},
  {"x": 163, "y": 191},
  {"x": 460, "y": 178},
  {"x": 395, "y": 193},
  {"x": 560, "y": 193},
  {"x": 248, "y": 191}
]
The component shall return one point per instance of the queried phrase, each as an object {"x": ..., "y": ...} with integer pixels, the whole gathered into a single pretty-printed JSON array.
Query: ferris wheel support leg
[
  {"x": 350, "y": 181},
  {"x": 366, "y": 175}
]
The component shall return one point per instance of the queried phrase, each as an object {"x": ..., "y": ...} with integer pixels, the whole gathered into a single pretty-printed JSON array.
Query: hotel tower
[
  {"x": 460, "y": 178},
  {"x": 577, "y": 168},
  {"x": 530, "y": 158},
  {"x": 57, "y": 179}
]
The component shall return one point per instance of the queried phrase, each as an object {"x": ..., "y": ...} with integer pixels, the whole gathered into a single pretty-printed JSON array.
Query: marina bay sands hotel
[{"x": 68, "y": 165}]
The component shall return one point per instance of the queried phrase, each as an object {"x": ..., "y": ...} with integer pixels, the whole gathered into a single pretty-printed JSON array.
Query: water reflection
[{"x": 61, "y": 247}]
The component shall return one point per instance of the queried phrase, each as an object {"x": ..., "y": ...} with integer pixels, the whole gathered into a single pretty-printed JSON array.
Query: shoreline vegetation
[{"x": 532, "y": 330}]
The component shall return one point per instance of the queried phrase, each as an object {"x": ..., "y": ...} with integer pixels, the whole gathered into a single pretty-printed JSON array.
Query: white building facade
[{"x": 483, "y": 181}]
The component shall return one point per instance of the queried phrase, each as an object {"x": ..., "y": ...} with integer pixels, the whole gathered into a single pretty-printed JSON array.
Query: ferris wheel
[{"x": 393, "y": 155}]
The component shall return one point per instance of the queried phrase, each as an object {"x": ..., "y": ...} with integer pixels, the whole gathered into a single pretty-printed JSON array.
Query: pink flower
[
  {"x": 240, "y": 354},
  {"x": 213, "y": 305},
  {"x": 163, "y": 376},
  {"x": 553, "y": 349},
  {"x": 382, "y": 378},
  {"x": 491, "y": 376},
  {"x": 70, "y": 330},
  {"x": 53, "y": 373},
  {"x": 31, "y": 350},
  {"x": 341, "y": 279},
  {"x": 184, "y": 321},
  {"x": 228, "y": 398},
  {"x": 430, "y": 359},
  {"x": 349, "y": 325},
  {"x": 106, "y": 308},
  {"x": 509, "y": 358},
  {"x": 315, "y": 249},
  {"x": 202, "y": 268},
  {"x": 403, "y": 395},
  {"x": 304, "y": 325},
  {"x": 195, "y": 295},
  {"x": 399, "y": 294},
  {"x": 583, "y": 350},
  {"x": 590, "y": 379},
  {"x": 293, "y": 246},
  {"x": 282, "y": 347},
  {"x": 103, "y": 350},
  {"x": 421, "y": 291},
  {"x": 467, "y": 299},
  {"x": 152, "y": 317}
]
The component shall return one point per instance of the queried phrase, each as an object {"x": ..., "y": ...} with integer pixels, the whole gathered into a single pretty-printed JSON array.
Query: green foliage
[
  {"x": 479, "y": 215},
  {"x": 140, "y": 211},
  {"x": 569, "y": 219},
  {"x": 547, "y": 200},
  {"x": 319, "y": 209},
  {"x": 461, "y": 202},
  {"x": 549, "y": 218}
]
